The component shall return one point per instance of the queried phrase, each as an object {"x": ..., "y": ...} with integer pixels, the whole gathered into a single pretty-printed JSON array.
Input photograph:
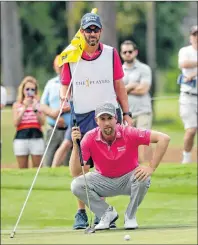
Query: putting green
[{"x": 140, "y": 236}]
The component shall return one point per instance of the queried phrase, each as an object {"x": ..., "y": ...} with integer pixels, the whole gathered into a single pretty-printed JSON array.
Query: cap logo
[{"x": 90, "y": 18}]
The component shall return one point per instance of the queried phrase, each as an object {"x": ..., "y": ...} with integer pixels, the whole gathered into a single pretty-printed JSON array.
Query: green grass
[
  {"x": 170, "y": 206},
  {"x": 164, "y": 236},
  {"x": 171, "y": 199},
  {"x": 167, "y": 120}
]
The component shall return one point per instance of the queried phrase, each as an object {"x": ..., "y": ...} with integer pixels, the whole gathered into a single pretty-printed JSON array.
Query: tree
[
  {"x": 11, "y": 50},
  {"x": 107, "y": 12}
]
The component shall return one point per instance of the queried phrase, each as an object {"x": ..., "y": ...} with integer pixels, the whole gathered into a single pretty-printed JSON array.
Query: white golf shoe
[
  {"x": 108, "y": 217},
  {"x": 130, "y": 223}
]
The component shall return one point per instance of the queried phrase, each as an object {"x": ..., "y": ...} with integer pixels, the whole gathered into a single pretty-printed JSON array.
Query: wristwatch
[{"x": 127, "y": 113}]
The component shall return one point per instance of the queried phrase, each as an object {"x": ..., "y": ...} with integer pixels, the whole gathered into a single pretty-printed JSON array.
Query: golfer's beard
[
  {"x": 108, "y": 131},
  {"x": 92, "y": 42}
]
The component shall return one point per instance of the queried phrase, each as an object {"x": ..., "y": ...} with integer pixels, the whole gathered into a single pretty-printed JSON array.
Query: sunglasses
[
  {"x": 95, "y": 30},
  {"x": 128, "y": 51},
  {"x": 30, "y": 89}
]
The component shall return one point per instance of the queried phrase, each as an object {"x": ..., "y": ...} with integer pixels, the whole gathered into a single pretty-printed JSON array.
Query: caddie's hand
[
  {"x": 66, "y": 107},
  {"x": 143, "y": 172},
  {"x": 127, "y": 120},
  {"x": 76, "y": 134}
]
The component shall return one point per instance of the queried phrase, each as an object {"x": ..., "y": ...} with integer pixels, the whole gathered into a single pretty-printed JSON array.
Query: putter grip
[{"x": 80, "y": 152}]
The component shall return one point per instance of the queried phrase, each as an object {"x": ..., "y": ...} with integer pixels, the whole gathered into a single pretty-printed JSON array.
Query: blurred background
[{"x": 33, "y": 33}]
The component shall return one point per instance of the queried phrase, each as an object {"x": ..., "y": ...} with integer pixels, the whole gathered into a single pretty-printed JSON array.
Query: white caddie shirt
[{"x": 92, "y": 82}]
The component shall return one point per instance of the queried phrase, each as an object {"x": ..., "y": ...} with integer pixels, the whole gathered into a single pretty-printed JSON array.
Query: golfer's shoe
[
  {"x": 107, "y": 219},
  {"x": 130, "y": 224},
  {"x": 97, "y": 221},
  {"x": 113, "y": 225},
  {"x": 81, "y": 221}
]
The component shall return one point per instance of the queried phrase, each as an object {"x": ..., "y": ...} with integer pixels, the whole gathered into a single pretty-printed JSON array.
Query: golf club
[
  {"x": 12, "y": 234},
  {"x": 89, "y": 229}
]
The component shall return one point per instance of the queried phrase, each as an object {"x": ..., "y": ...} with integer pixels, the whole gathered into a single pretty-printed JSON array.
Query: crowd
[{"x": 113, "y": 120}]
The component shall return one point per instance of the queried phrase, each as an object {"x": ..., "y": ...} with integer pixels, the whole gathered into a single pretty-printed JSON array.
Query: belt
[
  {"x": 190, "y": 93},
  {"x": 59, "y": 128}
]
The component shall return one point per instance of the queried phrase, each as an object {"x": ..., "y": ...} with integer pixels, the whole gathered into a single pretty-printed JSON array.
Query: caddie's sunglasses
[
  {"x": 95, "y": 30},
  {"x": 32, "y": 89},
  {"x": 128, "y": 51}
]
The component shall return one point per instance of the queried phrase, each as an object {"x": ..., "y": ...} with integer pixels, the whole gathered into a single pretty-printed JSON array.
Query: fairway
[{"x": 139, "y": 236}]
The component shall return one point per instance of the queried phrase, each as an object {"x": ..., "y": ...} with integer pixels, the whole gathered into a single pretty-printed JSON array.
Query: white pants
[
  {"x": 101, "y": 186},
  {"x": 24, "y": 147}
]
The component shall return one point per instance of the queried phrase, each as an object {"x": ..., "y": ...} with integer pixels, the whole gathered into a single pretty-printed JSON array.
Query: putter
[{"x": 89, "y": 229}]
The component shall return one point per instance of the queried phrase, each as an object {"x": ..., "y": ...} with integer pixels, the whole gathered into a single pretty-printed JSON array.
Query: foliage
[
  {"x": 46, "y": 35},
  {"x": 169, "y": 16}
]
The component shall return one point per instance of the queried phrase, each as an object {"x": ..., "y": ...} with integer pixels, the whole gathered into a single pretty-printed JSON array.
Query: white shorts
[
  {"x": 188, "y": 114},
  {"x": 24, "y": 147}
]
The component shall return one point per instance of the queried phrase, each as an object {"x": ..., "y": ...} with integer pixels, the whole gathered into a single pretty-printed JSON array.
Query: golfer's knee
[
  {"x": 77, "y": 186},
  {"x": 144, "y": 184}
]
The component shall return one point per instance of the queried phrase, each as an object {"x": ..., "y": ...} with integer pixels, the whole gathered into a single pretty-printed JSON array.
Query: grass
[
  {"x": 171, "y": 202},
  {"x": 167, "y": 120},
  {"x": 165, "y": 236}
]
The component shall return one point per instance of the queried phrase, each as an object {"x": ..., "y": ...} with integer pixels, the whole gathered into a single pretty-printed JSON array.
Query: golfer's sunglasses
[
  {"x": 95, "y": 30},
  {"x": 128, "y": 51}
]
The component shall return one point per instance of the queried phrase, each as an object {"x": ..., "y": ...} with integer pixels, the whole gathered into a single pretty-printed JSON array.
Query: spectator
[
  {"x": 50, "y": 104},
  {"x": 188, "y": 92},
  {"x": 3, "y": 97},
  {"x": 114, "y": 150},
  {"x": 98, "y": 78},
  {"x": 28, "y": 120},
  {"x": 138, "y": 80}
]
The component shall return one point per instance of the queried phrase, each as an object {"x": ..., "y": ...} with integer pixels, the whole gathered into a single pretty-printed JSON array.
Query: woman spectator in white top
[{"x": 28, "y": 120}]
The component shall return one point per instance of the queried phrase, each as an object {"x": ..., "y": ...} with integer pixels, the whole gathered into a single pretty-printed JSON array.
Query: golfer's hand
[
  {"x": 76, "y": 134},
  {"x": 143, "y": 172},
  {"x": 127, "y": 120}
]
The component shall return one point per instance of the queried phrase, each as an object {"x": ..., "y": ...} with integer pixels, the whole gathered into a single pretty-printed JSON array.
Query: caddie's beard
[{"x": 92, "y": 41}]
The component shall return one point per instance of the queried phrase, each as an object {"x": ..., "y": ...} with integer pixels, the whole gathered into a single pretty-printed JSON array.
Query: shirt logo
[
  {"x": 142, "y": 133},
  {"x": 121, "y": 148},
  {"x": 87, "y": 82}
]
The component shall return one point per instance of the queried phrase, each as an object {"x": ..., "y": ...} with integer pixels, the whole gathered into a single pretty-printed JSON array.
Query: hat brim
[
  {"x": 193, "y": 32},
  {"x": 105, "y": 112},
  {"x": 91, "y": 24}
]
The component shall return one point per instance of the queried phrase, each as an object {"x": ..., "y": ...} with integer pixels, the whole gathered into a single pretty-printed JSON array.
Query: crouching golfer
[{"x": 114, "y": 150}]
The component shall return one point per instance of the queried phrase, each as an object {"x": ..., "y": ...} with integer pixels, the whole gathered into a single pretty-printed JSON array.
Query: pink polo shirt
[
  {"x": 121, "y": 157},
  {"x": 117, "y": 66}
]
